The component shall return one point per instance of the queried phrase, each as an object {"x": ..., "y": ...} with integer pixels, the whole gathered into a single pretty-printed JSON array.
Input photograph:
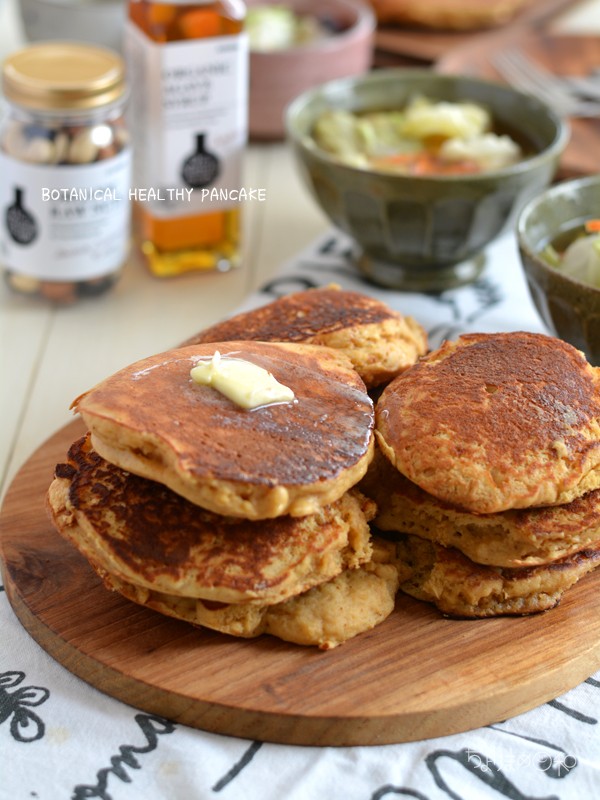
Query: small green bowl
[
  {"x": 569, "y": 308},
  {"x": 414, "y": 232}
]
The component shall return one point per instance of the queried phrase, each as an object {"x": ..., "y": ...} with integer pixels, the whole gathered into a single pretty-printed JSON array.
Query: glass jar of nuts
[{"x": 65, "y": 163}]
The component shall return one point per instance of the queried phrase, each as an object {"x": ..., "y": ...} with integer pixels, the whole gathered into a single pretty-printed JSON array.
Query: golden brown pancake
[
  {"x": 459, "y": 587},
  {"x": 327, "y": 615},
  {"x": 514, "y": 538},
  {"x": 290, "y": 458},
  {"x": 496, "y": 421},
  {"x": 143, "y": 533},
  {"x": 457, "y": 15},
  {"x": 379, "y": 341}
]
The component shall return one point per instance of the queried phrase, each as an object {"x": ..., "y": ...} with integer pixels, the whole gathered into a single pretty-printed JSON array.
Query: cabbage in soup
[{"x": 424, "y": 138}]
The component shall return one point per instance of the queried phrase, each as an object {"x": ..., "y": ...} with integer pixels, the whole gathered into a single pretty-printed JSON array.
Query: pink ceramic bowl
[{"x": 278, "y": 76}]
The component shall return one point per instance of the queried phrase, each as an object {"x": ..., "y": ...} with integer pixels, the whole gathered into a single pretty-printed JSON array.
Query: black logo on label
[
  {"x": 20, "y": 223},
  {"x": 202, "y": 167}
]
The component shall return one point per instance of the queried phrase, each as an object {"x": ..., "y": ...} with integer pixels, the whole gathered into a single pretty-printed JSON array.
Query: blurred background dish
[
  {"x": 395, "y": 40},
  {"x": 97, "y": 21},
  {"x": 568, "y": 304},
  {"x": 454, "y": 15},
  {"x": 341, "y": 46},
  {"x": 424, "y": 232}
]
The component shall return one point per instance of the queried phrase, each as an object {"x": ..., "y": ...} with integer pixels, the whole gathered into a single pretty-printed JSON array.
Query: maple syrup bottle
[{"x": 188, "y": 68}]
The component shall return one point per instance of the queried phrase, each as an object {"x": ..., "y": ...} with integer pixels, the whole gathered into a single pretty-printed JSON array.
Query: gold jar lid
[{"x": 63, "y": 75}]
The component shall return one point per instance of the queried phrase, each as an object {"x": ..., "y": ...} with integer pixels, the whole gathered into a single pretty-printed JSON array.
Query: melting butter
[{"x": 244, "y": 383}]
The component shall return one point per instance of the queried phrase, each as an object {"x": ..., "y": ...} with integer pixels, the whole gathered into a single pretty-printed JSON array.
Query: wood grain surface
[
  {"x": 562, "y": 54},
  {"x": 416, "y": 676}
]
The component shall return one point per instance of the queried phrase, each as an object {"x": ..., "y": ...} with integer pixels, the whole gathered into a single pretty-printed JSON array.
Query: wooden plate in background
[
  {"x": 416, "y": 676},
  {"x": 565, "y": 55},
  {"x": 429, "y": 44}
]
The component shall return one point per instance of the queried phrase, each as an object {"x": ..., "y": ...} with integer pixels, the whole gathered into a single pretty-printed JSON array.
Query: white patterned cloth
[{"x": 62, "y": 739}]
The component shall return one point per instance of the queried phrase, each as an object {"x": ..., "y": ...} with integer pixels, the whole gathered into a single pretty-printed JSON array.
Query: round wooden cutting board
[{"x": 416, "y": 676}]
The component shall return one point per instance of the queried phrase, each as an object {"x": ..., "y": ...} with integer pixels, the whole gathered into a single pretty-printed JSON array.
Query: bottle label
[
  {"x": 189, "y": 117},
  {"x": 68, "y": 222}
]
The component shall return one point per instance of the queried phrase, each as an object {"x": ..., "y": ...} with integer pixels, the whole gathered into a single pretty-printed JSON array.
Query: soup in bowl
[{"x": 426, "y": 225}]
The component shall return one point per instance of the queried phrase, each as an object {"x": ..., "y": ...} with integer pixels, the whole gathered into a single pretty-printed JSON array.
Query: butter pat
[{"x": 244, "y": 383}]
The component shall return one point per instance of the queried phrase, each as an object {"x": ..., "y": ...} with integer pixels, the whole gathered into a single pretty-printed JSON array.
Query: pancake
[
  {"x": 454, "y": 15},
  {"x": 327, "y": 615},
  {"x": 379, "y": 341},
  {"x": 514, "y": 538},
  {"x": 289, "y": 458},
  {"x": 459, "y": 587},
  {"x": 496, "y": 421},
  {"x": 143, "y": 533}
]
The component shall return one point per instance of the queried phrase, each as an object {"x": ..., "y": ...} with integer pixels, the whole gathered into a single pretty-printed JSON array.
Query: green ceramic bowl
[
  {"x": 414, "y": 232},
  {"x": 570, "y": 309}
]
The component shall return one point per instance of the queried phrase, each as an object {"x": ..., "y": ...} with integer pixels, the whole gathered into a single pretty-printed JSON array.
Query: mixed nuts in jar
[{"x": 65, "y": 162}]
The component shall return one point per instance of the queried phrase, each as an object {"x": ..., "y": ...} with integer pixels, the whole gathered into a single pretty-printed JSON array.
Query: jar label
[
  {"x": 68, "y": 222},
  {"x": 189, "y": 114}
]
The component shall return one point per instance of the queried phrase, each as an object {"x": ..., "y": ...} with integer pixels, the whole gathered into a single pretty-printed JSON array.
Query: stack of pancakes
[
  {"x": 489, "y": 472},
  {"x": 243, "y": 521}
]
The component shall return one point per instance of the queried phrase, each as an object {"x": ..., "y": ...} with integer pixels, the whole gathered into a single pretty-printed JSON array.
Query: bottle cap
[{"x": 63, "y": 75}]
